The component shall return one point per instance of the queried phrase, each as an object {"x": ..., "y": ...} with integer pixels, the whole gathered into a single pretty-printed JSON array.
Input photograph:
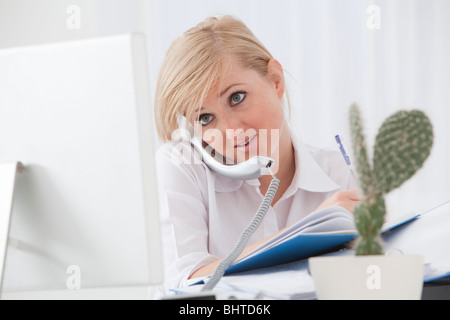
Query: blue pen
[
  {"x": 346, "y": 157},
  {"x": 341, "y": 147}
]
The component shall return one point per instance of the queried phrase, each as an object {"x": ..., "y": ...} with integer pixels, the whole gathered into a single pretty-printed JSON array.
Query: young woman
[{"x": 219, "y": 78}]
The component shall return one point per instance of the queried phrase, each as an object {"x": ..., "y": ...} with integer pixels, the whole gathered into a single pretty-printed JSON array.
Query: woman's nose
[
  {"x": 232, "y": 133},
  {"x": 232, "y": 128}
]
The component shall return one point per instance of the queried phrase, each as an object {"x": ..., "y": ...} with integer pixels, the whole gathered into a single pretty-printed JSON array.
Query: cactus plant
[{"x": 402, "y": 145}]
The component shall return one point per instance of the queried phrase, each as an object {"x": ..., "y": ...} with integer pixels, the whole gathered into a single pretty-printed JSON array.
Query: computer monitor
[{"x": 78, "y": 116}]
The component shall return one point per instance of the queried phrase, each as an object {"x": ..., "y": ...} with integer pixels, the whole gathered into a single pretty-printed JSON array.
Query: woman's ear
[{"x": 276, "y": 74}]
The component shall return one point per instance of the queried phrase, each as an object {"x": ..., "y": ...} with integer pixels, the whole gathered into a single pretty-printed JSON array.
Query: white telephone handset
[{"x": 250, "y": 169}]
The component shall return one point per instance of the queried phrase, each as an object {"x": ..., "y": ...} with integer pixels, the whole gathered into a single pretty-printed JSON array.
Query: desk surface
[
  {"x": 438, "y": 291},
  {"x": 113, "y": 293}
]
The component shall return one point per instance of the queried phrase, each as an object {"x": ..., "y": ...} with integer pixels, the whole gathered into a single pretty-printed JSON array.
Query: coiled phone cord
[{"x": 245, "y": 236}]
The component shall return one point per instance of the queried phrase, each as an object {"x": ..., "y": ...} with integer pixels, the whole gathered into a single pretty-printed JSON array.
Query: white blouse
[{"x": 204, "y": 213}]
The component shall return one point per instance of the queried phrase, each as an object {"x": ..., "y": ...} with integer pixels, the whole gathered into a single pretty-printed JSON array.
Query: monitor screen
[{"x": 78, "y": 116}]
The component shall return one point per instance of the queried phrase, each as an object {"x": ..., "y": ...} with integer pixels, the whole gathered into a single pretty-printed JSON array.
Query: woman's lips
[{"x": 247, "y": 145}]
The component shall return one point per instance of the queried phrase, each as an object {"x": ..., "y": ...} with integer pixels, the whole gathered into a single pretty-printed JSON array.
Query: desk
[
  {"x": 437, "y": 290},
  {"x": 112, "y": 293}
]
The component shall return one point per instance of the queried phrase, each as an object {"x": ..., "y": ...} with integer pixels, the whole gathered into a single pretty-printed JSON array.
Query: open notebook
[{"x": 319, "y": 232}]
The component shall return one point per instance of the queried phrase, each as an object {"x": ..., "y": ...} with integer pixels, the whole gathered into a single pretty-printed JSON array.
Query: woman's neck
[{"x": 286, "y": 167}]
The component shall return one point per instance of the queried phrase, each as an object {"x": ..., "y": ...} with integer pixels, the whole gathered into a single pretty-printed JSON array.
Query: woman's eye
[
  {"x": 205, "y": 119},
  {"x": 237, "y": 97}
]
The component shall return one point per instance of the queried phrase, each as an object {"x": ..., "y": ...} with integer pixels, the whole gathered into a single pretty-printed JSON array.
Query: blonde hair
[{"x": 195, "y": 61}]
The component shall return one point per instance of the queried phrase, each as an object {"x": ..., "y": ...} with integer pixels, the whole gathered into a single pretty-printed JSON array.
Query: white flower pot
[{"x": 368, "y": 277}]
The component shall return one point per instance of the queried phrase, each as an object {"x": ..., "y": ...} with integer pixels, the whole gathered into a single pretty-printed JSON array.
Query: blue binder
[
  {"x": 303, "y": 246},
  {"x": 299, "y": 247}
]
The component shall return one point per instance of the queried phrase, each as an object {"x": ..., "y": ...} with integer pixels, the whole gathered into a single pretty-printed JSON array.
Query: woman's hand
[{"x": 346, "y": 199}]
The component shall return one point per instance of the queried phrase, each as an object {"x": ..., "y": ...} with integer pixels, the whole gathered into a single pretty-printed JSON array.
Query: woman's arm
[
  {"x": 209, "y": 269},
  {"x": 346, "y": 199},
  {"x": 184, "y": 217}
]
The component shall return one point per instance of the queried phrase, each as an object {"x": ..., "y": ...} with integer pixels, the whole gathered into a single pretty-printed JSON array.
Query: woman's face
[{"x": 243, "y": 116}]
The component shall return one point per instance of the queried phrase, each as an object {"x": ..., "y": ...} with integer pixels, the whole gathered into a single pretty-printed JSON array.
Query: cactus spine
[{"x": 402, "y": 145}]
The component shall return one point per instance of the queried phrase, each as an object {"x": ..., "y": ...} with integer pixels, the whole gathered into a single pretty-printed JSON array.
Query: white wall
[
  {"x": 26, "y": 22},
  {"x": 332, "y": 56}
]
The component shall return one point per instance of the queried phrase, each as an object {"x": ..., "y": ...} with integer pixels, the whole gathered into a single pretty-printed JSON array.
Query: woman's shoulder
[
  {"x": 180, "y": 152},
  {"x": 180, "y": 156},
  {"x": 331, "y": 162},
  {"x": 325, "y": 157}
]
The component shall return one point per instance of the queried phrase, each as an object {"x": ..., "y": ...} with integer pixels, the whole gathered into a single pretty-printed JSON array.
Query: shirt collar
[
  {"x": 225, "y": 184},
  {"x": 309, "y": 175}
]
